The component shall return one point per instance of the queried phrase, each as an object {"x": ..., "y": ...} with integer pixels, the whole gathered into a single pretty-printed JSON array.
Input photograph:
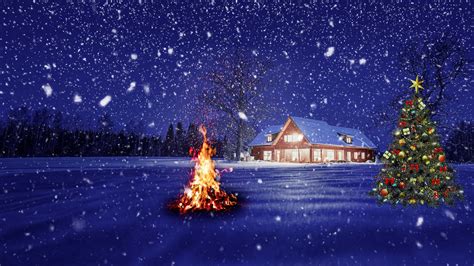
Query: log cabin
[{"x": 311, "y": 141}]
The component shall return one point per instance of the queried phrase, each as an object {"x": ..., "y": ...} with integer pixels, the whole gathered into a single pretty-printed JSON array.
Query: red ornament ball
[
  {"x": 401, "y": 185},
  {"x": 442, "y": 158},
  {"x": 384, "y": 192},
  {"x": 402, "y": 124}
]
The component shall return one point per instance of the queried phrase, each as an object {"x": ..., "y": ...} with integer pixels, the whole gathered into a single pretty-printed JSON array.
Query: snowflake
[
  {"x": 105, "y": 101},
  {"x": 77, "y": 98},
  {"x": 48, "y": 90},
  {"x": 329, "y": 52}
]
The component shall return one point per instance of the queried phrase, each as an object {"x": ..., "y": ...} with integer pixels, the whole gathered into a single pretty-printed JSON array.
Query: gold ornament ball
[
  {"x": 424, "y": 157},
  {"x": 402, "y": 154},
  {"x": 402, "y": 142}
]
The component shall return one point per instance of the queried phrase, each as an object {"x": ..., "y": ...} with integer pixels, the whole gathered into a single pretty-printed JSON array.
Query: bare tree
[
  {"x": 237, "y": 90},
  {"x": 440, "y": 62}
]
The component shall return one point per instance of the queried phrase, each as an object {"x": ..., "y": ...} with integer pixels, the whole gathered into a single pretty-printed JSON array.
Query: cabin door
[
  {"x": 348, "y": 156},
  {"x": 277, "y": 155},
  {"x": 304, "y": 155},
  {"x": 294, "y": 155}
]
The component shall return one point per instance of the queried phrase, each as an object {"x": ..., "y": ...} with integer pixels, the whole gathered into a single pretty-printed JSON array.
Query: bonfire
[{"x": 203, "y": 193}]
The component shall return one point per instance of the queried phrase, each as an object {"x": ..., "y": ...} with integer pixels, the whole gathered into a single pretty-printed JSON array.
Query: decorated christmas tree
[{"x": 415, "y": 169}]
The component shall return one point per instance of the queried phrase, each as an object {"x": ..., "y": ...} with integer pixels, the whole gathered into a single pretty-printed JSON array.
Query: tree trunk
[{"x": 238, "y": 148}]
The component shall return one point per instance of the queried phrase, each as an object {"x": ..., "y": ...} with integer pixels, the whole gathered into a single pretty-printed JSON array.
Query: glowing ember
[{"x": 203, "y": 193}]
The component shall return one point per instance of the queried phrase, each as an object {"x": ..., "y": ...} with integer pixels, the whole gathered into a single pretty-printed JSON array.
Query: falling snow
[
  {"x": 105, "y": 101},
  {"x": 337, "y": 62},
  {"x": 419, "y": 221},
  {"x": 243, "y": 116},
  {"x": 329, "y": 52},
  {"x": 48, "y": 90},
  {"x": 77, "y": 98}
]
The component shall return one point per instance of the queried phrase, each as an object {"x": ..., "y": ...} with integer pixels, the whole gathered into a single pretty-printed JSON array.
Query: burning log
[{"x": 203, "y": 193}]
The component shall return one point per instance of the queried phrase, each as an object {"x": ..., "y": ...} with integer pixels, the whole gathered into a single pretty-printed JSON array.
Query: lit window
[
  {"x": 294, "y": 155},
  {"x": 269, "y": 138},
  {"x": 293, "y": 138},
  {"x": 316, "y": 155},
  {"x": 329, "y": 155},
  {"x": 340, "y": 155},
  {"x": 362, "y": 155},
  {"x": 356, "y": 155},
  {"x": 267, "y": 155},
  {"x": 348, "y": 140}
]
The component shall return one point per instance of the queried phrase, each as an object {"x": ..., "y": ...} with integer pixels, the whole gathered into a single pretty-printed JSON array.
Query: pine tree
[
  {"x": 415, "y": 169},
  {"x": 193, "y": 141},
  {"x": 180, "y": 140},
  {"x": 168, "y": 145}
]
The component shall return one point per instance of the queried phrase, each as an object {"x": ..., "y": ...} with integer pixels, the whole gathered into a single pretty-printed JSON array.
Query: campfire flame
[{"x": 203, "y": 193}]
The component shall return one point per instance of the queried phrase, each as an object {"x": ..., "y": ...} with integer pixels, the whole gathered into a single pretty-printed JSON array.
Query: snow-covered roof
[
  {"x": 320, "y": 132},
  {"x": 261, "y": 138}
]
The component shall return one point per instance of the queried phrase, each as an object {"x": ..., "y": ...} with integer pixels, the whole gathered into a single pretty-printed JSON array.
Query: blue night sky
[{"x": 336, "y": 62}]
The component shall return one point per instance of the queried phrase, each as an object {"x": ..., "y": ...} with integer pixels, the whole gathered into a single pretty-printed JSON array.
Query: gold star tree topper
[{"x": 416, "y": 84}]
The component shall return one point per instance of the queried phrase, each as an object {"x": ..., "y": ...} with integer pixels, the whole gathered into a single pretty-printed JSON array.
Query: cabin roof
[
  {"x": 261, "y": 138},
  {"x": 319, "y": 132}
]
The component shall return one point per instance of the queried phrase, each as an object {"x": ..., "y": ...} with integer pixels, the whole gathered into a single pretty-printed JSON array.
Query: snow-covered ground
[{"x": 83, "y": 211}]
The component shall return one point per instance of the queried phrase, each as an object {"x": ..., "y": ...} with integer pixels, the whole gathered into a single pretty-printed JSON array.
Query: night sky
[{"x": 336, "y": 62}]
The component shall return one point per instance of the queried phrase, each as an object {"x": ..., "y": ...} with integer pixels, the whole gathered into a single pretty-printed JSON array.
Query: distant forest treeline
[{"x": 41, "y": 132}]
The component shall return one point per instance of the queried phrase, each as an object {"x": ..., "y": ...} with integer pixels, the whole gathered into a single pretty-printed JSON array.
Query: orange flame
[{"x": 203, "y": 191}]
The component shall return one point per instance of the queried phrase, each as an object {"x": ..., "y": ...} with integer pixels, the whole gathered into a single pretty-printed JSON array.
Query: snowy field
[{"x": 95, "y": 211}]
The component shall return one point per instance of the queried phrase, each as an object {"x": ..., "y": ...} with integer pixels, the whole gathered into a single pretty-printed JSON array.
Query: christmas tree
[{"x": 415, "y": 169}]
